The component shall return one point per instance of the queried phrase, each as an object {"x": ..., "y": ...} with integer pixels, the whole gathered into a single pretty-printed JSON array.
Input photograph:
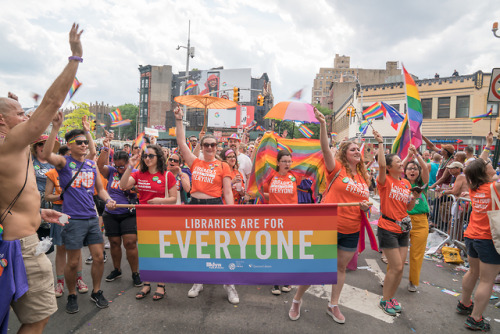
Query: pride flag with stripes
[
  {"x": 74, "y": 87},
  {"x": 116, "y": 115},
  {"x": 237, "y": 244},
  {"x": 477, "y": 118},
  {"x": 140, "y": 141},
  {"x": 373, "y": 111},
  {"x": 306, "y": 132},
  {"x": 124, "y": 122}
]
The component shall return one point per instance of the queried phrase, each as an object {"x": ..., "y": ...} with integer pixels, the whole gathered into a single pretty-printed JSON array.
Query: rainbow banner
[
  {"x": 306, "y": 132},
  {"x": 238, "y": 244},
  {"x": 334, "y": 134},
  {"x": 373, "y": 111},
  {"x": 124, "y": 122}
]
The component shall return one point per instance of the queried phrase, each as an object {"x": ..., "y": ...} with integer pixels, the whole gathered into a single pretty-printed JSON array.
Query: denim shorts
[
  {"x": 81, "y": 232},
  {"x": 484, "y": 249},
  {"x": 388, "y": 239},
  {"x": 55, "y": 229},
  {"x": 118, "y": 225},
  {"x": 348, "y": 242}
]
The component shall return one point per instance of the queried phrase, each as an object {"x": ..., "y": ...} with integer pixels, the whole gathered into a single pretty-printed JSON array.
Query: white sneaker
[
  {"x": 106, "y": 245},
  {"x": 195, "y": 290},
  {"x": 232, "y": 295}
]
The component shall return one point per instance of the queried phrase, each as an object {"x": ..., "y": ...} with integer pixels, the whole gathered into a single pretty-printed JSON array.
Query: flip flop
[{"x": 142, "y": 294}]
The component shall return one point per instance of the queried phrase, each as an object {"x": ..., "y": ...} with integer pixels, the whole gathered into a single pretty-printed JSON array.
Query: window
[
  {"x": 444, "y": 107},
  {"x": 427, "y": 108},
  {"x": 147, "y": 83},
  {"x": 395, "y": 106},
  {"x": 463, "y": 103}
]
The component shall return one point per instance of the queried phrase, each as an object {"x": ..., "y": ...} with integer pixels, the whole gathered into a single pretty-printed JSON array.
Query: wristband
[
  {"x": 130, "y": 167},
  {"x": 80, "y": 59},
  {"x": 104, "y": 148},
  {"x": 109, "y": 199}
]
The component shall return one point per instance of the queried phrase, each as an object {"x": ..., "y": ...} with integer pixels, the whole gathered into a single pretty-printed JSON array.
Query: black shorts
[
  {"x": 212, "y": 201},
  {"x": 388, "y": 239},
  {"x": 118, "y": 225},
  {"x": 484, "y": 249},
  {"x": 347, "y": 242},
  {"x": 100, "y": 205}
]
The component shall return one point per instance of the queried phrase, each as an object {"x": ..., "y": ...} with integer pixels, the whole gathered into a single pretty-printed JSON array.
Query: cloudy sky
[{"x": 288, "y": 39}]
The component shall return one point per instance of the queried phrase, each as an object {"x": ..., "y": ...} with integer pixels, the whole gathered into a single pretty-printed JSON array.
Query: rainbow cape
[
  {"x": 373, "y": 111},
  {"x": 307, "y": 161},
  {"x": 476, "y": 119},
  {"x": 74, "y": 87},
  {"x": 306, "y": 132}
]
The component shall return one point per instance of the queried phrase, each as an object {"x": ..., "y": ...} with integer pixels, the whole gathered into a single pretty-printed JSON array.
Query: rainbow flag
[
  {"x": 115, "y": 115},
  {"x": 260, "y": 128},
  {"x": 252, "y": 125},
  {"x": 140, "y": 141},
  {"x": 74, "y": 87},
  {"x": 334, "y": 134},
  {"x": 237, "y": 244},
  {"x": 124, "y": 122},
  {"x": 364, "y": 127},
  {"x": 306, "y": 132},
  {"x": 476, "y": 119},
  {"x": 190, "y": 85},
  {"x": 306, "y": 155},
  {"x": 374, "y": 111},
  {"x": 282, "y": 146},
  {"x": 191, "y": 148}
]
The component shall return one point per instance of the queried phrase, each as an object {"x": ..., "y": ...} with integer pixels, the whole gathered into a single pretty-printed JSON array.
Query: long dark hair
[
  {"x": 419, "y": 182},
  {"x": 120, "y": 155},
  {"x": 476, "y": 174},
  {"x": 161, "y": 165}
]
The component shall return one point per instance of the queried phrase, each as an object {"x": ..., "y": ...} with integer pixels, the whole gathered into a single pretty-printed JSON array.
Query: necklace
[{"x": 444, "y": 163}]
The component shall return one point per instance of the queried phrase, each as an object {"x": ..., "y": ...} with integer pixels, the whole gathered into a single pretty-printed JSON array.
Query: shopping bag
[{"x": 494, "y": 216}]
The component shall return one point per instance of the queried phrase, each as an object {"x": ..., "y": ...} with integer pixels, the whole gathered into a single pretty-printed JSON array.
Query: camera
[{"x": 405, "y": 224}]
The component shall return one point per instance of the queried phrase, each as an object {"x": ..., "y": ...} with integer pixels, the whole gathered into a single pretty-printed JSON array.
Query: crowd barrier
[{"x": 449, "y": 216}]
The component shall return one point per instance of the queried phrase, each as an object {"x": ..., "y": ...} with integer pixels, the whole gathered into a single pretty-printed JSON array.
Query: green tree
[
  {"x": 73, "y": 120},
  {"x": 128, "y": 111}
]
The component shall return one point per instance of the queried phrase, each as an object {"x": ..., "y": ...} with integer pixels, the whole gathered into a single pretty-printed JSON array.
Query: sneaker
[
  {"x": 497, "y": 279},
  {"x": 59, "y": 289},
  {"x": 72, "y": 305},
  {"x": 386, "y": 306},
  {"x": 89, "y": 260},
  {"x": 114, "y": 275},
  {"x": 81, "y": 287},
  {"x": 395, "y": 305},
  {"x": 294, "y": 313},
  {"x": 106, "y": 245},
  {"x": 136, "y": 278},
  {"x": 286, "y": 288},
  {"x": 465, "y": 310},
  {"x": 195, "y": 290},
  {"x": 99, "y": 299},
  {"x": 232, "y": 295},
  {"x": 276, "y": 290},
  {"x": 480, "y": 325},
  {"x": 105, "y": 257},
  {"x": 335, "y": 313},
  {"x": 411, "y": 287}
]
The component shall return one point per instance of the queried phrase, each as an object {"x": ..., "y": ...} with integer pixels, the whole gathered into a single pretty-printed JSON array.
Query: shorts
[
  {"x": 100, "y": 205},
  {"x": 40, "y": 301},
  {"x": 118, "y": 225},
  {"x": 347, "y": 242},
  {"x": 81, "y": 232},
  {"x": 484, "y": 249},
  {"x": 388, "y": 239},
  {"x": 217, "y": 200},
  {"x": 55, "y": 229}
]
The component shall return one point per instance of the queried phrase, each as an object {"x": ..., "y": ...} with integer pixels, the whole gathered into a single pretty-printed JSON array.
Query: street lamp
[
  {"x": 189, "y": 53},
  {"x": 494, "y": 29}
]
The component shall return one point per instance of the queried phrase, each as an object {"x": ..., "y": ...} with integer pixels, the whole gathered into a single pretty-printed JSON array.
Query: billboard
[{"x": 231, "y": 118}]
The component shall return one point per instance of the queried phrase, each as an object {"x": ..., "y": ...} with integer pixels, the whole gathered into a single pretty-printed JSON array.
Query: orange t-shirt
[
  {"x": 394, "y": 198},
  {"x": 479, "y": 222},
  {"x": 346, "y": 190},
  {"x": 282, "y": 189},
  {"x": 54, "y": 177},
  {"x": 207, "y": 177},
  {"x": 104, "y": 184}
]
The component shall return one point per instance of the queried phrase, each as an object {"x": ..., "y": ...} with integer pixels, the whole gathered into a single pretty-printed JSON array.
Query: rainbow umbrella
[{"x": 293, "y": 111}]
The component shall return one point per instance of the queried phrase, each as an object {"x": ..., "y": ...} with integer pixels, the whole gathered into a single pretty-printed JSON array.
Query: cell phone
[{"x": 419, "y": 189}]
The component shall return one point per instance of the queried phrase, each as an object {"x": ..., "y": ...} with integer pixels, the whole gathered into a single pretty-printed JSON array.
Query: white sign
[
  {"x": 243, "y": 115},
  {"x": 494, "y": 90},
  {"x": 151, "y": 132},
  {"x": 221, "y": 118}
]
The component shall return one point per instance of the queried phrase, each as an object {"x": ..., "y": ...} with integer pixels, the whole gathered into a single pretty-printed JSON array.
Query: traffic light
[
  {"x": 92, "y": 125},
  {"x": 236, "y": 94},
  {"x": 260, "y": 100}
]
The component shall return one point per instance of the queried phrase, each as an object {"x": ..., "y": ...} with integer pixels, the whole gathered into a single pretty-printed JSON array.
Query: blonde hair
[{"x": 342, "y": 157}]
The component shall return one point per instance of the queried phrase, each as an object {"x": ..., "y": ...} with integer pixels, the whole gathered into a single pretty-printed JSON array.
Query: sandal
[
  {"x": 157, "y": 295},
  {"x": 141, "y": 294},
  {"x": 384, "y": 259}
]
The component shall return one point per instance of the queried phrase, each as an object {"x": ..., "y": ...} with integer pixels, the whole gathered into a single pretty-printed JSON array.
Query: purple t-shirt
[
  {"x": 78, "y": 198},
  {"x": 116, "y": 193},
  {"x": 13, "y": 279}
]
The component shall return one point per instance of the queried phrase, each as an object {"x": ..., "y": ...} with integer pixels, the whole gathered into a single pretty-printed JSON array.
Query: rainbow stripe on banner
[
  {"x": 281, "y": 146},
  {"x": 306, "y": 132},
  {"x": 238, "y": 244},
  {"x": 373, "y": 111},
  {"x": 74, "y": 87}
]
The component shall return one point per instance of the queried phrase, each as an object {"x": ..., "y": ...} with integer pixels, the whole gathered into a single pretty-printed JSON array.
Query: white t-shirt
[{"x": 245, "y": 165}]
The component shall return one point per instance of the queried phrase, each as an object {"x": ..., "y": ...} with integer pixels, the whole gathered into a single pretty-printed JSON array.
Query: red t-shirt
[
  {"x": 207, "y": 177},
  {"x": 150, "y": 186},
  {"x": 347, "y": 190},
  {"x": 479, "y": 222},
  {"x": 394, "y": 198},
  {"x": 282, "y": 189}
]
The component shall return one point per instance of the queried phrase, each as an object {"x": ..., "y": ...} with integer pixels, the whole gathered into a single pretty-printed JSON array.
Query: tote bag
[{"x": 494, "y": 216}]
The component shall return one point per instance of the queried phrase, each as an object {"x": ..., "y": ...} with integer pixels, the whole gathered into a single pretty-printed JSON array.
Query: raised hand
[
  {"x": 489, "y": 139},
  {"x": 134, "y": 160},
  {"x": 412, "y": 150},
  {"x": 85, "y": 123},
  {"x": 319, "y": 116},
  {"x": 58, "y": 120},
  {"x": 74, "y": 41},
  {"x": 12, "y": 96},
  {"x": 378, "y": 137},
  {"x": 178, "y": 113}
]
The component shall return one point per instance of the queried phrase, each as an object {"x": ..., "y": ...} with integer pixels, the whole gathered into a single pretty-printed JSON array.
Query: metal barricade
[{"x": 461, "y": 213}]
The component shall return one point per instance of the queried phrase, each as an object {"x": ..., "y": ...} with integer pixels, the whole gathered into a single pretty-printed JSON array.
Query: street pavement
[{"x": 429, "y": 310}]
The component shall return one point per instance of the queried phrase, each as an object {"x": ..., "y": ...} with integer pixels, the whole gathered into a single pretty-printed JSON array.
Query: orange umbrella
[{"x": 205, "y": 102}]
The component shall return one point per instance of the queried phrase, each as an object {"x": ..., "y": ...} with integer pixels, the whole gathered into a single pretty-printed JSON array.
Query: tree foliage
[{"x": 73, "y": 120}]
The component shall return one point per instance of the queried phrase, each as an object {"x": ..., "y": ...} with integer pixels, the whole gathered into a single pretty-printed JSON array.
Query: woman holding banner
[
  {"x": 394, "y": 225},
  {"x": 154, "y": 185},
  {"x": 238, "y": 185},
  {"x": 211, "y": 179},
  {"x": 347, "y": 183}
]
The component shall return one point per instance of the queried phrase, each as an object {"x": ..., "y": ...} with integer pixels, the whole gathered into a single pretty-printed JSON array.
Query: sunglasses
[
  {"x": 135, "y": 147},
  {"x": 207, "y": 145},
  {"x": 80, "y": 142},
  {"x": 120, "y": 167},
  {"x": 150, "y": 156},
  {"x": 173, "y": 160}
]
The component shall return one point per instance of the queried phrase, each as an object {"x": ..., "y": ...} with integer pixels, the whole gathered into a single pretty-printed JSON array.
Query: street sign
[{"x": 494, "y": 90}]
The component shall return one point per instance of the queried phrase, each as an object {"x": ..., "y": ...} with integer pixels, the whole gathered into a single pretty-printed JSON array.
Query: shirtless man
[
  {"x": 21, "y": 218},
  {"x": 460, "y": 183}
]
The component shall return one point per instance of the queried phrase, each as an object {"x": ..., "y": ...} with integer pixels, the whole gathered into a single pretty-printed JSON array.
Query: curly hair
[
  {"x": 161, "y": 164},
  {"x": 342, "y": 157}
]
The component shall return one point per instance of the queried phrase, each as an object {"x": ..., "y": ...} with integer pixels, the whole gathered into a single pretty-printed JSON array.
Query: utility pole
[{"x": 189, "y": 53}]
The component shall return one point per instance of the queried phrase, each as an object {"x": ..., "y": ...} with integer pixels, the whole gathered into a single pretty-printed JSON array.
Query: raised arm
[
  {"x": 197, "y": 149},
  {"x": 422, "y": 163},
  {"x": 187, "y": 155},
  {"x": 25, "y": 133},
  {"x": 103, "y": 160},
  {"x": 323, "y": 139},
  {"x": 86, "y": 127},
  {"x": 430, "y": 145},
  {"x": 486, "y": 152},
  {"x": 127, "y": 182},
  {"x": 382, "y": 166},
  {"x": 54, "y": 159}
]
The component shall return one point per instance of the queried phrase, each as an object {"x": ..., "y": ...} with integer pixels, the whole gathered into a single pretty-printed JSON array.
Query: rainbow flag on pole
[
  {"x": 306, "y": 132},
  {"x": 124, "y": 122},
  {"x": 374, "y": 111},
  {"x": 74, "y": 87},
  {"x": 238, "y": 244},
  {"x": 476, "y": 119},
  {"x": 140, "y": 141},
  {"x": 116, "y": 115}
]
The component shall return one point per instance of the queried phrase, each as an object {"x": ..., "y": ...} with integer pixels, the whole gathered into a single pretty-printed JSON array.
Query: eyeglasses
[
  {"x": 39, "y": 144},
  {"x": 231, "y": 157},
  {"x": 412, "y": 168},
  {"x": 286, "y": 161},
  {"x": 135, "y": 147},
  {"x": 488, "y": 162},
  {"x": 207, "y": 145},
  {"x": 80, "y": 142},
  {"x": 149, "y": 156},
  {"x": 174, "y": 160}
]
